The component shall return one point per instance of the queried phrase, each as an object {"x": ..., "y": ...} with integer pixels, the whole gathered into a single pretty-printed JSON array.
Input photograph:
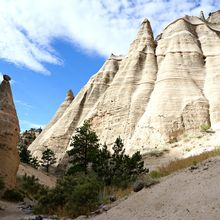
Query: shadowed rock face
[
  {"x": 9, "y": 135},
  {"x": 161, "y": 89}
]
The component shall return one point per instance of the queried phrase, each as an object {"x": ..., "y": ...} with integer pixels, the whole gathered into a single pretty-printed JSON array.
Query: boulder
[{"x": 138, "y": 185}]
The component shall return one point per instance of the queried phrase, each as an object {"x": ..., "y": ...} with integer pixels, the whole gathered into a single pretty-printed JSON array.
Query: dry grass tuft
[
  {"x": 118, "y": 192},
  {"x": 176, "y": 165}
]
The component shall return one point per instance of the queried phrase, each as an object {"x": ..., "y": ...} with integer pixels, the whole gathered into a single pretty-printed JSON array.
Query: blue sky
[{"x": 50, "y": 46}]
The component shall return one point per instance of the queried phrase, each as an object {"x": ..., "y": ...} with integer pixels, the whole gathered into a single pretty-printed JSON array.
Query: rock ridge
[{"x": 159, "y": 90}]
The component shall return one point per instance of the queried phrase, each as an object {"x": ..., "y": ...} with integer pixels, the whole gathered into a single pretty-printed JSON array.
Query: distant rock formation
[
  {"x": 9, "y": 135},
  {"x": 28, "y": 136},
  {"x": 150, "y": 97}
]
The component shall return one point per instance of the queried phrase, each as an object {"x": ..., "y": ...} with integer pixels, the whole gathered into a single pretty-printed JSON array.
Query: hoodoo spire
[
  {"x": 9, "y": 134},
  {"x": 144, "y": 40},
  {"x": 69, "y": 96}
]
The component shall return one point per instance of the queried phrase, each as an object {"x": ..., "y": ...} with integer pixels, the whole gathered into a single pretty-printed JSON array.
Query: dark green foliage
[
  {"x": 85, "y": 148},
  {"x": 26, "y": 157},
  {"x": 135, "y": 165},
  {"x": 48, "y": 159},
  {"x": 31, "y": 187},
  {"x": 125, "y": 168},
  {"x": 92, "y": 168},
  {"x": 13, "y": 196},
  {"x": 34, "y": 162},
  {"x": 101, "y": 165},
  {"x": 24, "y": 153},
  {"x": 73, "y": 195},
  {"x": 118, "y": 168}
]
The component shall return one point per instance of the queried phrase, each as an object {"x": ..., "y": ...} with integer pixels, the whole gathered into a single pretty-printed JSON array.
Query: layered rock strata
[
  {"x": 9, "y": 135},
  {"x": 150, "y": 97}
]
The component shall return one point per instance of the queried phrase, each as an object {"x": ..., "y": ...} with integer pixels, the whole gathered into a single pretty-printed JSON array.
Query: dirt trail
[{"x": 10, "y": 211}]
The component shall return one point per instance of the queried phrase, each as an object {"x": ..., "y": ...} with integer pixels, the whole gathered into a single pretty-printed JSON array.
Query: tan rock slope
[
  {"x": 9, "y": 135},
  {"x": 150, "y": 97}
]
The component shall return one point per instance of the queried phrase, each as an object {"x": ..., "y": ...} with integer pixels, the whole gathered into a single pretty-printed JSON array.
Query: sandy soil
[
  {"x": 43, "y": 177},
  {"x": 190, "y": 144},
  {"x": 186, "y": 195},
  {"x": 10, "y": 211}
]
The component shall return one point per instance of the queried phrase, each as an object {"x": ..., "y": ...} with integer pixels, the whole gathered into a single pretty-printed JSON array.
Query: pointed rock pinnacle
[
  {"x": 6, "y": 77},
  {"x": 69, "y": 95},
  {"x": 201, "y": 16}
]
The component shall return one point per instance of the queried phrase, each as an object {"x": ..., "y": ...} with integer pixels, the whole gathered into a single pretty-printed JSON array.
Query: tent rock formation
[
  {"x": 161, "y": 89},
  {"x": 9, "y": 135}
]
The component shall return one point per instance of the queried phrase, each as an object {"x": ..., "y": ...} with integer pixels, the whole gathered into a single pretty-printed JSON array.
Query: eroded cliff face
[
  {"x": 9, "y": 135},
  {"x": 161, "y": 89}
]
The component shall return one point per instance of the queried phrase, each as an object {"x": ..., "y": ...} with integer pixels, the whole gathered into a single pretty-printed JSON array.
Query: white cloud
[
  {"x": 28, "y": 28},
  {"x": 27, "y": 125},
  {"x": 24, "y": 104}
]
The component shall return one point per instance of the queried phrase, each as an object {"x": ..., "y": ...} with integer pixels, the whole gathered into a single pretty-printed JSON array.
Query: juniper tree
[
  {"x": 101, "y": 164},
  {"x": 48, "y": 158},
  {"x": 85, "y": 148},
  {"x": 24, "y": 153}
]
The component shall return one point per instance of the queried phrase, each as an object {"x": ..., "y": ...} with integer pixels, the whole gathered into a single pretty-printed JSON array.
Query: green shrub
[
  {"x": 155, "y": 174},
  {"x": 205, "y": 127},
  {"x": 13, "y": 195},
  {"x": 31, "y": 187},
  {"x": 72, "y": 196},
  {"x": 148, "y": 180}
]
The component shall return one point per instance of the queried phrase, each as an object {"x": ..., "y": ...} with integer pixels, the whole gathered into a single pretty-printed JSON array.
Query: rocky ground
[
  {"x": 190, "y": 195},
  {"x": 23, "y": 211},
  {"x": 190, "y": 144}
]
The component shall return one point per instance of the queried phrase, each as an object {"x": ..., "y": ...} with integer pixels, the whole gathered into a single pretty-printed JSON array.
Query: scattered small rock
[
  {"x": 81, "y": 217},
  {"x": 205, "y": 168},
  {"x": 25, "y": 207},
  {"x": 102, "y": 208},
  {"x": 38, "y": 217},
  {"x": 138, "y": 185},
  {"x": 210, "y": 131},
  {"x": 194, "y": 167},
  {"x": 112, "y": 198}
]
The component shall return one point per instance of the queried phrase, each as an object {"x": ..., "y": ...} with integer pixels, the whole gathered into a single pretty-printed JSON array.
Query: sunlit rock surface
[
  {"x": 9, "y": 135},
  {"x": 150, "y": 97}
]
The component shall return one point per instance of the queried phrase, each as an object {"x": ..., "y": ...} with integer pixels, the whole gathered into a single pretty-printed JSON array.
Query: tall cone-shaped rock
[
  {"x": 161, "y": 89},
  {"x": 124, "y": 102},
  {"x": 9, "y": 135},
  {"x": 68, "y": 100},
  {"x": 210, "y": 44},
  {"x": 177, "y": 102},
  {"x": 57, "y": 136}
]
